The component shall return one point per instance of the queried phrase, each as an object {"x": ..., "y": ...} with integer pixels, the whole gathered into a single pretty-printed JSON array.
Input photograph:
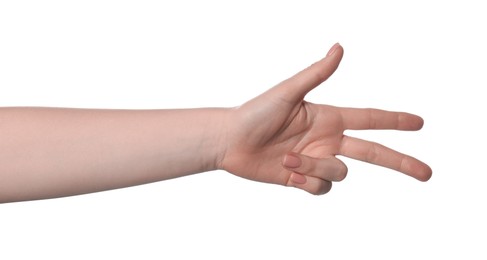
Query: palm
[
  {"x": 302, "y": 129},
  {"x": 278, "y": 122}
]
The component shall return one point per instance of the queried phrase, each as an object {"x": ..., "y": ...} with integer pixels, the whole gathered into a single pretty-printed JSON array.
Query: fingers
[
  {"x": 312, "y": 174},
  {"x": 367, "y": 118},
  {"x": 380, "y": 155},
  {"x": 295, "y": 88}
]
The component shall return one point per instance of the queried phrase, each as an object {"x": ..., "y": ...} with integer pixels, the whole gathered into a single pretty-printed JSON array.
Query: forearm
[{"x": 47, "y": 152}]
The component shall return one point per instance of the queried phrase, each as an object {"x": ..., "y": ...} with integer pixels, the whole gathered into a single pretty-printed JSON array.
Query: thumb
[{"x": 295, "y": 88}]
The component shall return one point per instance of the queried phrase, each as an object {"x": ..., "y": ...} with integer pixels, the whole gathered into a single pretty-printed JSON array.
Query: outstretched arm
[{"x": 276, "y": 137}]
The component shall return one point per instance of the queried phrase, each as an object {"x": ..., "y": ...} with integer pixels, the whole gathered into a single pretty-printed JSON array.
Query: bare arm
[{"x": 276, "y": 137}]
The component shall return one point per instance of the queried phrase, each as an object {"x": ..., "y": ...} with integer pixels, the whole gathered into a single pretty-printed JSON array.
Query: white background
[{"x": 424, "y": 57}]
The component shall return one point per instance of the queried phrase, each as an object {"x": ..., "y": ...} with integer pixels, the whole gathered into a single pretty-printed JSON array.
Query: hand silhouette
[{"x": 279, "y": 138}]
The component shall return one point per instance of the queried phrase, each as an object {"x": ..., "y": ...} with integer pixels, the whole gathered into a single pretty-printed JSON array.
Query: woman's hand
[{"x": 279, "y": 138}]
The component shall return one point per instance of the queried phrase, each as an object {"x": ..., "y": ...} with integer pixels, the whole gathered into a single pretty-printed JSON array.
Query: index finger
[{"x": 369, "y": 118}]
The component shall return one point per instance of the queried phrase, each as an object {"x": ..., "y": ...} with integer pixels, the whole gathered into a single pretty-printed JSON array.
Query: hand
[{"x": 279, "y": 138}]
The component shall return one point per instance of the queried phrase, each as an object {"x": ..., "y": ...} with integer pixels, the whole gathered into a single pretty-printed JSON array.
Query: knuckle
[
  {"x": 335, "y": 170},
  {"x": 319, "y": 75},
  {"x": 341, "y": 173},
  {"x": 372, "y": 153},
  {"x": 372, "y": 118},
  {"x": 322, "y": 188}
]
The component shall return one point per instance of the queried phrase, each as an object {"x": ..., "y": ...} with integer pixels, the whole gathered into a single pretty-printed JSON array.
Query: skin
[
  {"x": 280, "y": 138},
  {"x": 276, "y": 137}
]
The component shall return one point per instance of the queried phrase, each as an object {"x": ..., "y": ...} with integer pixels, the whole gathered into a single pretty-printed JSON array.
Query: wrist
[{"x": 216, "y": 138}]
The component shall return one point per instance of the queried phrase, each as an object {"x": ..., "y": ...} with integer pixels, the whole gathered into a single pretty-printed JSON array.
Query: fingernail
[
  {"x": 291, "y": 161},
  {"x": 298, "y": 178},
  {"x": 333, "y": 49}
]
